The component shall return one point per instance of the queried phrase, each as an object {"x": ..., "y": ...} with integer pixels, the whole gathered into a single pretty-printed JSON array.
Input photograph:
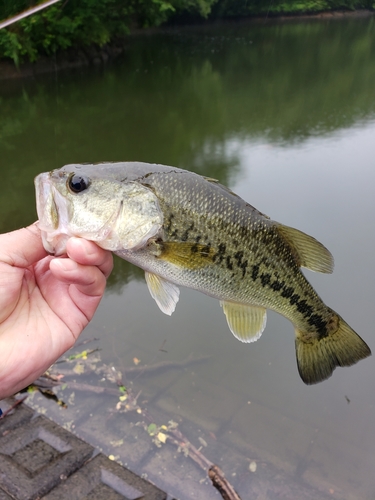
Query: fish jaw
[{"x": 52, "y": 215}]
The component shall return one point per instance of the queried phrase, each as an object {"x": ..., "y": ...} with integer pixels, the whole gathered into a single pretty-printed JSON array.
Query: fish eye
[{"x": 78, "y": 183}]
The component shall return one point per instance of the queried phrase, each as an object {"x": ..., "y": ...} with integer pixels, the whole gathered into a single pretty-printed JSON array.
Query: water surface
[{"x": 284, "y": 114}]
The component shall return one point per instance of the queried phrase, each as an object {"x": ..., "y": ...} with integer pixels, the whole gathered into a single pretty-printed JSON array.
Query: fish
[{"x": 184, "y": 229}]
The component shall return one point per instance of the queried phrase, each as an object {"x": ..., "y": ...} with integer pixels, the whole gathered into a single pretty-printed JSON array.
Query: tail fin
[{"x": 317, "y": 358}]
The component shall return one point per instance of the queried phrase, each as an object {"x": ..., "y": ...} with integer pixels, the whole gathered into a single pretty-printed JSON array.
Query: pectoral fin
[
  {"x": 166, "y": 294},
  {"x": 184, "y": 254},
  {"x": 245, "y": 322}
]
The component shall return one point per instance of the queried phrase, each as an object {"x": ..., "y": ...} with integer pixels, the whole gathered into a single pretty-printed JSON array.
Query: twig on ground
[
  {"x": 82, "y": 355},
  {"x": 220, "y": 482},
  {"x": 84, "y": 342},
  {"x": 181, "y": 441},
  {"x": 46, "y": 381},
  {"x": 139, "y": 370},
  {"x": 92, "y": 388},
  {"x": 18, "y": 402},
  {"x": 164, "y": 364}
]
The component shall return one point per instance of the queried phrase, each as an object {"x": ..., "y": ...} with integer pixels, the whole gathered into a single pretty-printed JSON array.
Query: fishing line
[
  {"x": 268, "y": 11},
  {"x": 27, "y": 13},
  {"x": 56, "y": 108}
]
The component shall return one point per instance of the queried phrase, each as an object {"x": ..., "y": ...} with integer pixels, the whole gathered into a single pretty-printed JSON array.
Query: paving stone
[
  {"x": 34, "y": 457},
  {"x": 101, "y": 479},
  {"x": 18, "y": 416}
]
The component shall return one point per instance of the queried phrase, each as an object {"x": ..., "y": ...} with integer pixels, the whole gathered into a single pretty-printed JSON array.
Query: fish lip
[
  {"x": 42, "y": 189},
  {"x": 50, "y": 214}
]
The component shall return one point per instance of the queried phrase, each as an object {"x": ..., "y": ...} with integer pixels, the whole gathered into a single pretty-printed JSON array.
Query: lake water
[{"x": 284, "y": 114}]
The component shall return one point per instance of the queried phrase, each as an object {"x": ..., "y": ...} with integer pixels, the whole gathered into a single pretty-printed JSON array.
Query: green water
[{"x": 283, "y": 113}]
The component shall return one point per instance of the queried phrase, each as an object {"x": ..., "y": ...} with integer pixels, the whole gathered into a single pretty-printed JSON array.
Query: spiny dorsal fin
[
  {"x": 229, "y": 191},
  {"x": 166, "y": 294},
  {"x": 311, "y": 254},
  {"x": 245, "y": 322}
]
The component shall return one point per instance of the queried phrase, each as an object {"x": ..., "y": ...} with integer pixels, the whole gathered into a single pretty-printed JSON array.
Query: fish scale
[
  {"x": 232, "y": 282},
  {"x": 187, "y": 230}
]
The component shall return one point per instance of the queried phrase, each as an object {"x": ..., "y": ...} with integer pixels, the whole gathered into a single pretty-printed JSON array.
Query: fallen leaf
[
  {"x": 253, "y": 466},
  {"x": 162, "y": 437},
  {"x": 79, "y": 369},
  {"x": 202, "y": 441},
  {"x": 151, "y": 429}
]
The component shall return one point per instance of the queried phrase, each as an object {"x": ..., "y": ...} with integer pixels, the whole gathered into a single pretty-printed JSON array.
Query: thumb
[{"x": 23, "y": 247}]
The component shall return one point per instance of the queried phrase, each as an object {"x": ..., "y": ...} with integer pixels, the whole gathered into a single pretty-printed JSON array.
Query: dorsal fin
[{"x": 311, "y": 254}]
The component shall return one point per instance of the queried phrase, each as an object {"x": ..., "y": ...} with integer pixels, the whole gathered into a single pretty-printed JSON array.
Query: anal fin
[
  {"x": 245, "y": 322},
  {"x": 166, "y": 294}
]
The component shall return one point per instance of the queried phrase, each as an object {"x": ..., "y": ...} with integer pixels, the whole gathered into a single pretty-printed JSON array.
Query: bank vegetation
[{"x": 79, "y": 24}]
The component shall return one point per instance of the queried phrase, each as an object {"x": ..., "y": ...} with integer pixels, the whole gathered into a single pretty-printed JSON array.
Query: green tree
[
  {"x": 80, "y": 24},
  {"x": 87, "y": 22}
]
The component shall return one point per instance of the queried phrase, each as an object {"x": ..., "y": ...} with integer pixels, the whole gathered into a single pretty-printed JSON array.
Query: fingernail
[{"x": 65, "y": 265}]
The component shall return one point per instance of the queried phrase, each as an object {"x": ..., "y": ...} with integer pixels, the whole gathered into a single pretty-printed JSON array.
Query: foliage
[
  {"x": 63, "y": 25},
  {"x": 97, "y": 22},
  {"x": 75, "y": 24},
  {"x": 240, "y": 8}
]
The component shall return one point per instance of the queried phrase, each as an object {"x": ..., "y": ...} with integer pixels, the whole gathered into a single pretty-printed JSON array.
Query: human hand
[{"x": 45, "y": 302}]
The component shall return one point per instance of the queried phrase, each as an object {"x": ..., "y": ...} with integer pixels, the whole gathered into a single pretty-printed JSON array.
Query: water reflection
[
  {"x": 284, "y": 114},
  {"x": 180, "y": 98}
]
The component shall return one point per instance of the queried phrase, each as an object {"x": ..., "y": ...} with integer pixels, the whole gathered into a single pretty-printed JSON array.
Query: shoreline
[{"x": 95, "y": 56}]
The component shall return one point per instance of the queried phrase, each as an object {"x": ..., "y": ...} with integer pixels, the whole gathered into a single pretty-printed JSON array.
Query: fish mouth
[{"x": 52, "y": 215}]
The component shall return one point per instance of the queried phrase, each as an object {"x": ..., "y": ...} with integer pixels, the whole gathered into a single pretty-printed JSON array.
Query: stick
[
  {"x": 219, "y": 481},
  {"x": 45, "y": 382},
  {"x": 93, "y": 388},
  {"x": 216, "y": 475},
  {"x": 84, "y": 342},
  {"x": 164, "y": 364},
  {"x": 18, "y": 402},
  {"x": 133, "y": 370},
  {"x": 194, "y": 453},
  {"x": 76, "y": 357}
]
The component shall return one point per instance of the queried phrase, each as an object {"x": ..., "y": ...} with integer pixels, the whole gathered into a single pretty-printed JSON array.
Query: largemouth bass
[{"x": 189, "y": 230}]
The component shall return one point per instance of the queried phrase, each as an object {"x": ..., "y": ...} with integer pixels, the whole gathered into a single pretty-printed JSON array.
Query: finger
[
  {"x": 89, "y": 280},
  {"x": 23, "y": 247},
  {"x": 88, "y": 253}
]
